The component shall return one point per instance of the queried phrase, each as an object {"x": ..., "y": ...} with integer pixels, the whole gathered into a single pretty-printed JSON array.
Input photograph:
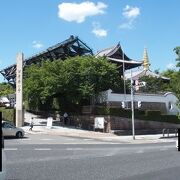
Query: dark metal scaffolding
[{"x": 69, "y": 48}]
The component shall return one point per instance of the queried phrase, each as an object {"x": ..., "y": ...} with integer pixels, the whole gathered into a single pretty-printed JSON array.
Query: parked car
[{"x": 10, "y": 130}]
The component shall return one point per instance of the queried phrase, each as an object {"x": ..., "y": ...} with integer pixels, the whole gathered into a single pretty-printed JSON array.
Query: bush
[
  {"x": 170, "y": 119},
  {"x": 153, "y": 113},
  {"x": 120, "y": 112},
  {"x": 157, "y": 116},
  {"x": 8, "y": 114},
  {"x": 100, "y": 110}
]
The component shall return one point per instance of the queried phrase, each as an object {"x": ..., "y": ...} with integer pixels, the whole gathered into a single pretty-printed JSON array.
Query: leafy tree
[
  {"x": 174, "y": 85},
  {"x": 72, "y": 81},
  {"x": 177, "y": 51},
  {"x": 6, "y": 89},
  {"x": 156, "y": 71},
  {"x": 153, "y": 84}
]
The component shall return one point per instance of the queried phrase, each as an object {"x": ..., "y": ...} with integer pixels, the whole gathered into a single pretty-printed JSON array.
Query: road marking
[
  {"x": 69, "y": 139},
  {"x": 46, "y": 139},
  {"x": 87, "y": 139},
  {"x": 140, "y": 151},
  {"x": 42, "y": 149},
  {"x": 72, "y": 149},
  {"x": 10, "y": 149},
  {"x": 163, "y": 149},
  {"x": 25, "y": 139}
]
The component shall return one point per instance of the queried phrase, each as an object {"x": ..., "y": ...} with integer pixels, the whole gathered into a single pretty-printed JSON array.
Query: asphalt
[{"x": 40, "y": 127}]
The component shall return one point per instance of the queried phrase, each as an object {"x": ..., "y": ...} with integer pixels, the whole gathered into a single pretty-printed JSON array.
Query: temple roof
[
  {"x": 145, "y": 71},
  {"x": 115, "y": 54},
  {"x": 140, "y": 73}
]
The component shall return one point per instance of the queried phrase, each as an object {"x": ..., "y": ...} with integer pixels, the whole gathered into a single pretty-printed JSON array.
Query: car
[{"x": 9, "y": 129}]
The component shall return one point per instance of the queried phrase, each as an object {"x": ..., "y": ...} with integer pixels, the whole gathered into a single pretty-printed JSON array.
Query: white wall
[{"x": 169, "y": 99}]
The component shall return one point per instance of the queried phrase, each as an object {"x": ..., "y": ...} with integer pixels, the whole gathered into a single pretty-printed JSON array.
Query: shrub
[{"x": 8, "y": 114}]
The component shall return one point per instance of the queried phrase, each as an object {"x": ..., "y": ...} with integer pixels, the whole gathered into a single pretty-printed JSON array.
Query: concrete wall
[
  {"x": 126, "y": 124},
  {"x": 120, "y": 123}
]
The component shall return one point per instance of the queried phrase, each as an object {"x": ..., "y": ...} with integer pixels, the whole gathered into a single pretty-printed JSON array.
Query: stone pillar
[
  {"x": 19, "y": 90},
  {"x": 108, "y": 121}
]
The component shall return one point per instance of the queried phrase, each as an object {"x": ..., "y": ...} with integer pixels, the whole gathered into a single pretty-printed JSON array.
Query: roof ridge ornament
[{"x": 146, "y": 63}]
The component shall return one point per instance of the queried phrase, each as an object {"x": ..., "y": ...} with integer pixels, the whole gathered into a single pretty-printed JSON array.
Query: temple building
[
  {"x": 145, "y": 70},
  {"x": 165, "y": 102},
  {"x": 116, "y": 55}
]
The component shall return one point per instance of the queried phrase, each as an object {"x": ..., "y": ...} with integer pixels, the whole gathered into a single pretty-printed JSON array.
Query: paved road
[{"x": 45, "y": 157}]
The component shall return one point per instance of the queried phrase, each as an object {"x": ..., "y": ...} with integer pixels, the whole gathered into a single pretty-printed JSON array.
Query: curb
[{"x": 102, "y": 136}]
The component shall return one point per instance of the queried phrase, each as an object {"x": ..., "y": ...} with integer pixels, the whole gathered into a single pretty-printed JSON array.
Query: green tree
[
  {"x": 174, "y": 85},
  {"x": 6, "y": 89},
  {"x": 177, "y": 51},
  {"x": 72, "y": 81},
  {"x": 153, "y": 84}
]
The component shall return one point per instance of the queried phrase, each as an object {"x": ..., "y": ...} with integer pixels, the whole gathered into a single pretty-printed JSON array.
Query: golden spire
[{"x": 146, "y": 63}]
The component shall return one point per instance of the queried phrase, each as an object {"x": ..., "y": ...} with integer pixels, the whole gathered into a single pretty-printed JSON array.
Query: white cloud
[
  {"x": 78, "y": 12},
  {"x": 98, "y": 31},
  {"x": 171, "y": 66},
  {"x": 130, "y": 14},
  {"x": 37, "y": 45}
]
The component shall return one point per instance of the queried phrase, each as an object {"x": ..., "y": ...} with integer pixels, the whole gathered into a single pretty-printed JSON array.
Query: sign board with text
[
  {"x": 49, "y": 122},
  {"x": 99, "y": 123}
]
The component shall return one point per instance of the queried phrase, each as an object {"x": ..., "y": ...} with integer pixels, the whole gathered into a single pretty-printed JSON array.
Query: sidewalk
[
  {"x": 41, "y": 128},
  {"x": 72, "y": 132}
]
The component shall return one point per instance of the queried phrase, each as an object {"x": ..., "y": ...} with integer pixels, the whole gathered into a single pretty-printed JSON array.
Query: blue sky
[{"x": 30, "y": 26}]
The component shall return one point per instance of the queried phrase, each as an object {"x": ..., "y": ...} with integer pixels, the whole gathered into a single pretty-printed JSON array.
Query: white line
[
  {"x": 42, "y": 149},
  {"x": 71, "y": 149},
  {"x": 163, "y": 149},
  {"x": 46, "y": 139},
  {"x": 25, "y": 139},
  {"x": 87, "y": 139},
  {"x": 81, "y": 143},
  {"x": 140, "y": 151},
  {"x": 70, "y": 139},
  {"x": 10, "y": 149}
]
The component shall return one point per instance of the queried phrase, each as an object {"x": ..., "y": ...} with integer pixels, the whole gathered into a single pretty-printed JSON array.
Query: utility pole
[{"x": 132, "y": 107}]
